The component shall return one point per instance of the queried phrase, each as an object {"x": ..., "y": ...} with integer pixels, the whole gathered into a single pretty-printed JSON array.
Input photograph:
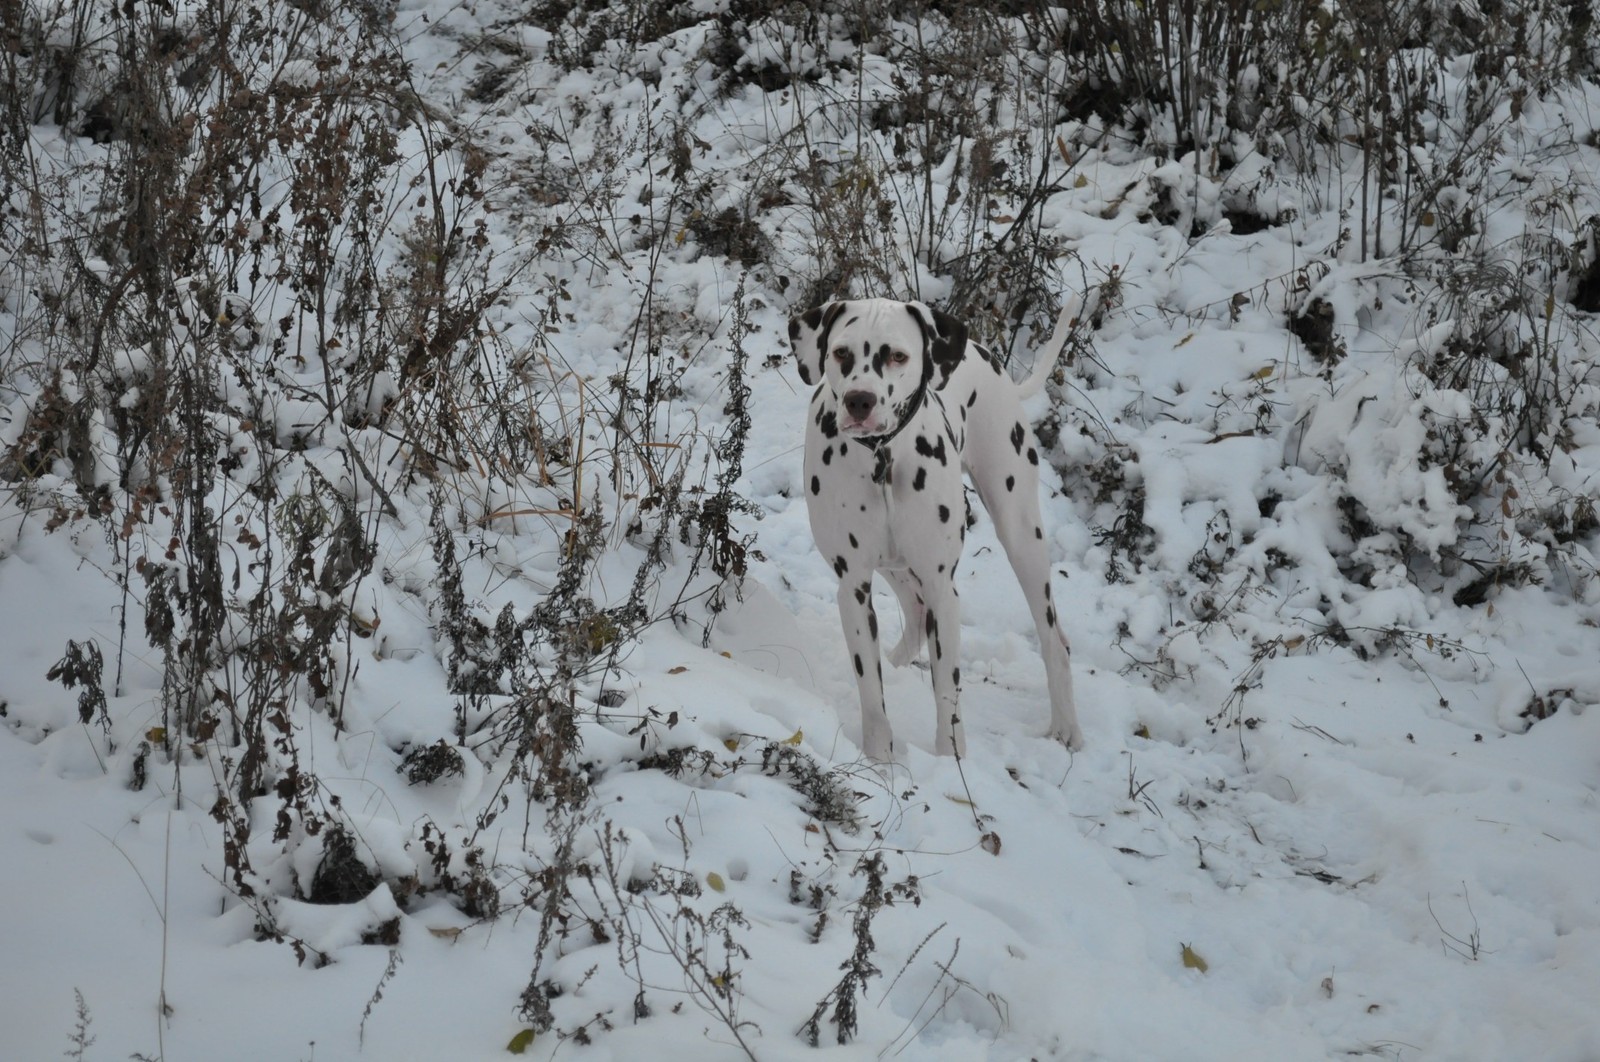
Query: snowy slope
[{"x": 1331, "y": 804}]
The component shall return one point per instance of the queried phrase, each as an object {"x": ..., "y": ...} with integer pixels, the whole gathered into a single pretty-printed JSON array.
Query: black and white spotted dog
[{"x": 904, "y": 402}]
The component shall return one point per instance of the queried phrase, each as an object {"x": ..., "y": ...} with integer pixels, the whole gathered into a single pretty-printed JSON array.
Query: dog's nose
[{"x": 859, "y": 404}]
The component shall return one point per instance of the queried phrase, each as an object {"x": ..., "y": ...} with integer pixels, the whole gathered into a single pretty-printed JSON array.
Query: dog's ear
[
  {"x": 808, "y": 335},
  {"x": 945, "y": 340}
]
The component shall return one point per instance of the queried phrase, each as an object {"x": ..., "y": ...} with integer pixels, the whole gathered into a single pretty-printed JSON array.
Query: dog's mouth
[{"x": 863, "y": 428}]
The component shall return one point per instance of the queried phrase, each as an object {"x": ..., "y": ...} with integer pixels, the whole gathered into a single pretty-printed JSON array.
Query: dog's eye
[
  {"x": 840, "y": 353},
  {"x": 899, "y": 357}
]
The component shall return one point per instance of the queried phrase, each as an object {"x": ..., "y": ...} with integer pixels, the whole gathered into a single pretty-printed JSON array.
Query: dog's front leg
[
  {"x": 860, "y": 624},
  {"x": 943, "y": 628}
]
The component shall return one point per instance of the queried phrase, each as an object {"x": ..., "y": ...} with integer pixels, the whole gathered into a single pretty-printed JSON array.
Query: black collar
[{"x": 879, "y": 444}]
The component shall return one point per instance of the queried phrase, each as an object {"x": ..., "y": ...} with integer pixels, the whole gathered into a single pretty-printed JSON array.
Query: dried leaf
[
  {"x": 680, "y": 669},
  {"x": 990, "y": 842},
  {"x": 520, "y": 1042},
  {"x": 447, "y": 933},
  {"x": 795, "y": 738},
  {"x": 1192, "y": 960},
  {"x": 714, "y": 880},
  {"x": 1263, "y": 372}
]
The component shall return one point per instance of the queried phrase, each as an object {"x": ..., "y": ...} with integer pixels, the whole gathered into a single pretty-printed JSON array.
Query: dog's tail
[{"x": 1072, "y": 314}]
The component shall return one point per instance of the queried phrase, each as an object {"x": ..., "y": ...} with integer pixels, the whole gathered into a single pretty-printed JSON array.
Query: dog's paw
[
  {"x": 909, "y": 649},
  {"x": 1071, "y": 737}
]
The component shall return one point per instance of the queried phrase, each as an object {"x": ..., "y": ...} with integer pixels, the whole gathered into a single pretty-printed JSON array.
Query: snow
[{"x": 1307, "y": 767}]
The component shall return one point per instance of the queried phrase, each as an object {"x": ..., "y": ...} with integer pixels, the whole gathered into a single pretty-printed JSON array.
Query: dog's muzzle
[{"x": 858, "y": 405}]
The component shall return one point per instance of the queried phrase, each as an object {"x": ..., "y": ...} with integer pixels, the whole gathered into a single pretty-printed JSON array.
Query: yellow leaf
[
  {"x": 1141, "y": 731},
  {"x": 680, "y": 669},
  {"x": 715, "y": 881},
  {"x": 1082, "y": 182},
  {"x": 1184, "y": 341},
  {"x": 732, "y": 744},
  {"x": 520, "y": 1042},
  {"x": 1263, "y": 372},
  {"x": 959, "y": 800},
  {"x": 1427, "y": 217},
  {"x": 448, "y": 933},
  {"x": 156, "y": 735},
  {"x": 1192, "y": 960},
  {"x": 795, "y": 738},
  {"x": 1294, "y": 643}
]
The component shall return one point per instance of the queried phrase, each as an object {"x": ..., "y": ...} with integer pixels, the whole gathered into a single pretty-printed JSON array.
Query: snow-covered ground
[{"x": 1335, "y": 799}]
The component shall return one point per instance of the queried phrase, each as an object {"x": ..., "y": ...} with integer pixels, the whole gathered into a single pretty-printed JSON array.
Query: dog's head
[{"x": 876, "y": 356}]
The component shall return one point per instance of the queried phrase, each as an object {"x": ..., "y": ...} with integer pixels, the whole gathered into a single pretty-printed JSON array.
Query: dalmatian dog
[{"x": 904, "y": 403}]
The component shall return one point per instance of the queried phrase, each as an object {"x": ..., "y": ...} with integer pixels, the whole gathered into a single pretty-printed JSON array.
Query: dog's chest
[{"x": 869, "y": 514}]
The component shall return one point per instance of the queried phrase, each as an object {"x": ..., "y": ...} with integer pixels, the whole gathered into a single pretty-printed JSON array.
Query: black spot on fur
[
  {"x": 973, "y": 398},
  {"x": 816, "y": 485},
  {"x": 944, "y": 514},
  {"x": 1017, "y": 435},
  {"x": 841, "y": 449},
  {"x": 872, "y": 623},
  {"x": 955, "y": 675},
  {"x": 853, "y": 543},
  {"x": 880, "y": 360},
  {"x": 921, "y": 479},
  {"x": 840, "y": 566},
  {"x": 1038, "y": 533},
  {"x": 927, "y": 449},
  {"x": 1011, "y": 483},
  {"x": 860, "y": 670},
  {"x": 827, "y": 456},
  {"x": 1033, "y": 456},
  {"x": 828, "y": 421},
  {"x": 1050, "y": 615}
]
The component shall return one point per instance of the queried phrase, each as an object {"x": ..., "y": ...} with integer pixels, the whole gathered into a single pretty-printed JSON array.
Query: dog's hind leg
[
  {"x": 907, "y": 591},
  {"x": 942, "y": 625},
  {"x": 1017, "y": 523}
]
